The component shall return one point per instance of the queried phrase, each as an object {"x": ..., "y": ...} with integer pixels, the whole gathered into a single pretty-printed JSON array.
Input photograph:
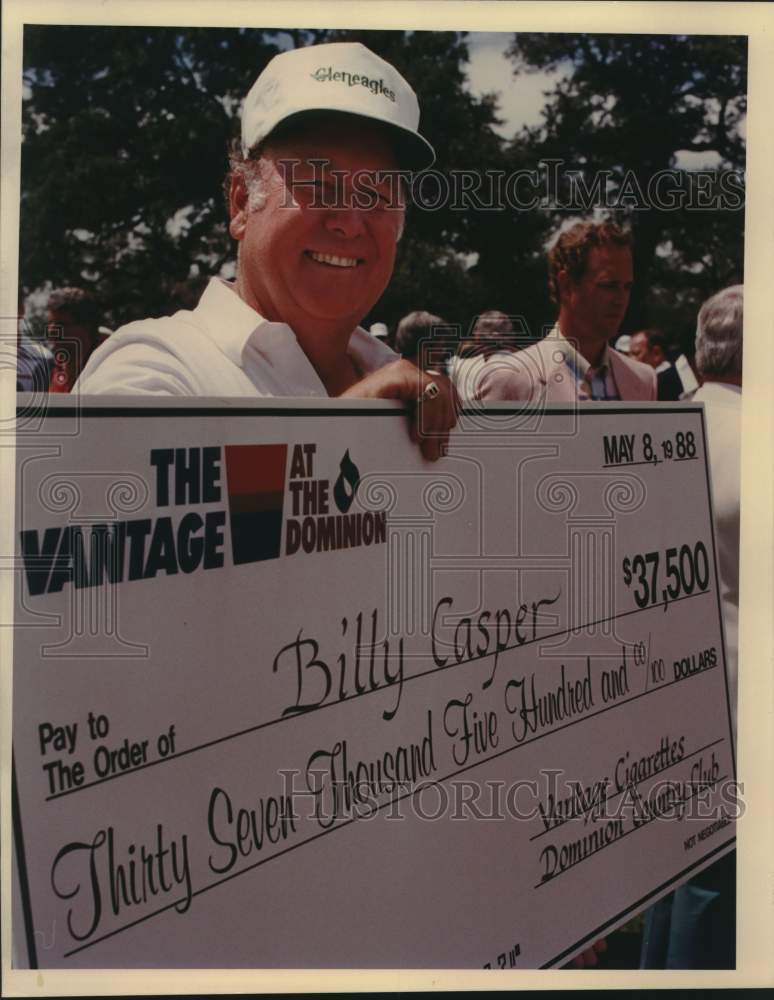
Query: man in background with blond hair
[{"x": 590, "y": 279}]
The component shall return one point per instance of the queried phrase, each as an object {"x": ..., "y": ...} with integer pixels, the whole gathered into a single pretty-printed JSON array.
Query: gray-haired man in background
[{"x": 695, "y": 927}]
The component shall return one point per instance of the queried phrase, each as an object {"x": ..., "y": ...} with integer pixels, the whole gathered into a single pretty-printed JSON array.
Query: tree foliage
[
  {"x": 126, "y": 130},
  {"x": 124, "y": 153},
  {"x": 630, "y": 105}
]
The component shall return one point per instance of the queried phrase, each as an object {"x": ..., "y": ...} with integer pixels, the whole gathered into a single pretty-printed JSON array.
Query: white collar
[
  {"x": 233, "y": 325},
  {"x": 228, "y": 320},
  {"x": 720, "y": 390},
  {"x": 574, "y": 358}
]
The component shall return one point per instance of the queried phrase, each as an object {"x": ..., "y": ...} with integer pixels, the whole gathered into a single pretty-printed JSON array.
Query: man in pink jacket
[{"x": 590, "y": 279}]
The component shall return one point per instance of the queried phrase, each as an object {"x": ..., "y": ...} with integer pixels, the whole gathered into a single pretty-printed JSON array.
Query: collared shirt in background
[{"x": 595, "y": 383}]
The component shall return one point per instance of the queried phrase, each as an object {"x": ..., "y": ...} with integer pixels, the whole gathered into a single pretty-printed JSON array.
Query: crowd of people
[
  {"x": 592, "y": 263},
  {"x": 308, "y": 273},
  {"x": 481, "y": 365}
]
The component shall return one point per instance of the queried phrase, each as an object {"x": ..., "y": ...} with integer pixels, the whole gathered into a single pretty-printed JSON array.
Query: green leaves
[
  {"x": 635, "y": 105},
  {"x": 126, "y": 130}
]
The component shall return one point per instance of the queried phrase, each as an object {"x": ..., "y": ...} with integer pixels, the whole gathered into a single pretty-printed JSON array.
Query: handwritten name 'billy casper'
[
  {"x": 369, "y": 667},
  {"x": 97, "y": 874}
]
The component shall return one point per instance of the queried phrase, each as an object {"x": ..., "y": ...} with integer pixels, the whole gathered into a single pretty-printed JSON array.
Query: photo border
[{"x": 755, "y": 927}]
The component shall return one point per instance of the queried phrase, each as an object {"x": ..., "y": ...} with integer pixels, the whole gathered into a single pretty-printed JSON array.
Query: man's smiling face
[{"x": 321, "y": 250}]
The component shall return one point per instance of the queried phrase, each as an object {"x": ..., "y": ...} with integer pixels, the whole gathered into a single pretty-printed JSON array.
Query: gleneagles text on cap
[{"x": 341, "y": 76}]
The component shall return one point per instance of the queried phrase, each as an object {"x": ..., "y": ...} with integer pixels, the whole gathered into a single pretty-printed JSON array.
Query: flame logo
[{"x": 345, "y": 487}]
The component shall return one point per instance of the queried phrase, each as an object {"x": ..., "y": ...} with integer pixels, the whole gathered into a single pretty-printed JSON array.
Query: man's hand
[
  {"x": 434, "y": 413},
  {"x": 588, "y": 958}
]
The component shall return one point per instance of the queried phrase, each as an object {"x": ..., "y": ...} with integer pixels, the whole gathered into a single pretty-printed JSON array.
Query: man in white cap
[{"x": 315, "y": 206}]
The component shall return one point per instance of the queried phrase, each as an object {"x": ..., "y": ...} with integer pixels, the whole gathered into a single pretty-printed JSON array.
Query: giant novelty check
[{"x": 287, "y": 695}]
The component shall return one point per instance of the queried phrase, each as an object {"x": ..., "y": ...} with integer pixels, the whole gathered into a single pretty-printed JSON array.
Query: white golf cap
[
  {"x": 379, "y": 330},
  {"x": 343, "y": 77},
  {"x": 623, "y": 343}
]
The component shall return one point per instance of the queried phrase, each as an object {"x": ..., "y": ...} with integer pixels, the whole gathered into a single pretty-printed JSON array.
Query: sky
[{"x": 521, "y": 100}]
